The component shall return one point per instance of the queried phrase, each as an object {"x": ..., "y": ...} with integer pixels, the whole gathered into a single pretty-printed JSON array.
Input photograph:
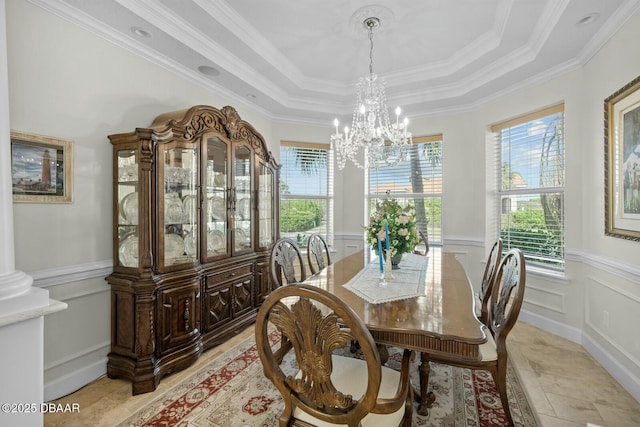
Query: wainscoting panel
[
  {"x": 76, "y": 340},
  {"x": 613, "y": 312},
  {"x": 544, "y": 298}
]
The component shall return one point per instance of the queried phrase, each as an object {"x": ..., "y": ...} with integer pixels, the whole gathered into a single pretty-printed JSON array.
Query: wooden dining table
[{"x": 440, "y": 320}]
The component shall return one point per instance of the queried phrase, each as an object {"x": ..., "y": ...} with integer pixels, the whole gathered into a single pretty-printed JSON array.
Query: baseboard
[
  {"x": 73, "y": 381},
  {"x": 567, "y": 332},
  {"x": 627, "y": 379}
]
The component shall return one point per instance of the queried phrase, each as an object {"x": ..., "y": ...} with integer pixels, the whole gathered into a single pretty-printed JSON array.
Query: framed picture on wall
[
  {"x": 41, "y": 169},
  {"x": 622, "y": 162}
]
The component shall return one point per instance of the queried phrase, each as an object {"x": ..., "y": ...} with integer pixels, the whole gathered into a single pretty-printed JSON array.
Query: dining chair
[
  {"x": 329, "y": 388},
  {"x": 504, "y": 306},
  {"x": 287, "y": 265},
  {"x": 425, "y": 241},
  {"x": 490, "y": 269},
  {"x": 317, "y": 253}
]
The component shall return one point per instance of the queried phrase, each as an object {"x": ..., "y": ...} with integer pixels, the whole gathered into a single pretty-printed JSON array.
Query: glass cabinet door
[
  {"x": 128, "y": 218},
  {"x": 265, "y": 207},
  {"x": 179, "y": 239},
  {"x": 216, "y": 191},
  {"x": 242, "y": 203}
]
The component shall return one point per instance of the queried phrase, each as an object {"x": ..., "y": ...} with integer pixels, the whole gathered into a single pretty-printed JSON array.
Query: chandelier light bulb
[{"x": 398, "y": 111}]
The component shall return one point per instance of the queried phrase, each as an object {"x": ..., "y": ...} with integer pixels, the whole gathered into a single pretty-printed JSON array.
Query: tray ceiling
[{"x": 300, "y": 60}]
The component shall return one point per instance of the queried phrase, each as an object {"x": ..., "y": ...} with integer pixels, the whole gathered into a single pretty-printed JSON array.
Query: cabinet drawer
[{"x": 230, "y": 274}]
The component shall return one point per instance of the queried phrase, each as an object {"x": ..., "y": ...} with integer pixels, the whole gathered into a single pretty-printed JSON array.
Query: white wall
[{"x": 69, "y": 83}]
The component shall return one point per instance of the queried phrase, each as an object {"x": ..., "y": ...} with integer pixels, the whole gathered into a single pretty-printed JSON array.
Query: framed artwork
[
  {"x": 622, "y": 162},
  {"x": 41, "y": 169}
]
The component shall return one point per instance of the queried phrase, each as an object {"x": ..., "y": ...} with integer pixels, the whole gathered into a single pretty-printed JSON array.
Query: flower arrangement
[{"x": 401, "y": 222}]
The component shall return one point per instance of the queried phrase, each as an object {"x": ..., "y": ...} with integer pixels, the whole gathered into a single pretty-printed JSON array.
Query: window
[
  {"x": 306, "y": 191},
  {"x": 530, "y": 185},
  {"x": 418, "y": 180}
]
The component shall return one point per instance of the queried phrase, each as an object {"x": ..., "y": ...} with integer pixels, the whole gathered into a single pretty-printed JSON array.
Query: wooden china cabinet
[{"x": 195, "y": 208}]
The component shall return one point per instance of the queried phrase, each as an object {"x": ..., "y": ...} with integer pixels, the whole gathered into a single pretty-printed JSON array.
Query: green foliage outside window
[
  {"x": 300, "y": 215},
  {"x": 528, "y": 231}
]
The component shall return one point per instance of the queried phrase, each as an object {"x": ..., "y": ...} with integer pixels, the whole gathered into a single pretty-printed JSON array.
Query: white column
[
  {"x": 22, "y": 306},
  {"x": 12, "y": 283}
]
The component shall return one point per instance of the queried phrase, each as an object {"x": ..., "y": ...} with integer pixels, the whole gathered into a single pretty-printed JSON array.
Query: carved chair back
[
  {"x": 506, "y": 297},
  {"x": 328, "y": 387},
  {"x": 317, "y": 253},
  {"x": 504, "y": 307},
  {"x": 488, "y": 278},
  {"x": 287, "y": 264}
]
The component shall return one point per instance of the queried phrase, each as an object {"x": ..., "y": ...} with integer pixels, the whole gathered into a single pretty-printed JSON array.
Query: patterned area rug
[{"x": 232, "y": 391}]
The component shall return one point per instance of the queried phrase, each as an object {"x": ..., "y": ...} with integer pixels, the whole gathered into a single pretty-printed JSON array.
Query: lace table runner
[{"x": 409, "y": 280}]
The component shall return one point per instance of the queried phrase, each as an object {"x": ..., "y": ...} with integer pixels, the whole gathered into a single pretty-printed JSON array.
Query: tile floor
[{"x": 565, "y": 385}]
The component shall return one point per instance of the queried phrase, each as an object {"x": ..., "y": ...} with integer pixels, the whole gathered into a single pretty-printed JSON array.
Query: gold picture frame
[
  {"x": 41, "y": 168},
  {"x": 622, "y": 162}
]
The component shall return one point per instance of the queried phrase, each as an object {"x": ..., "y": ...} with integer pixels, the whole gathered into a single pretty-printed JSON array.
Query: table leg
[
  {"x": 425, "y": 398},
  {"x": 384, "y": 353}
]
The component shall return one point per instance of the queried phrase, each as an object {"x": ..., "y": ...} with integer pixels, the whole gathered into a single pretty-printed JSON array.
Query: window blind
[
  {"x": 530, "y": 185},
  {"x": 418, "y": 180},
  {"x": 306, "y": 191}
]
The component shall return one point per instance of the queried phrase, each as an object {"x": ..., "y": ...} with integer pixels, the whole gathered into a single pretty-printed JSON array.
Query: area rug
[{"x": 232, "y": 391}]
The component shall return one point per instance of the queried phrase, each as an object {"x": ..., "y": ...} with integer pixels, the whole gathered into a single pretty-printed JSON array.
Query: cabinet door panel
[
  {"x": 179, "y": 318},
  {"x": 242, "y": 199},
  {"x": 127, "y": 196},
  {"x": 263, "y": 282},
  {"x": 217, "y": 306},
  {"x": 266, "y": 206},
  {"x": 179, "y": 205},
  {"x": 242, "y": 300},
  {"x": 216, "y": 188}
]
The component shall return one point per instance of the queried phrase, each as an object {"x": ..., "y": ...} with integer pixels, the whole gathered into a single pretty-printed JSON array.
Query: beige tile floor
[{"x": 565, "y": 385}]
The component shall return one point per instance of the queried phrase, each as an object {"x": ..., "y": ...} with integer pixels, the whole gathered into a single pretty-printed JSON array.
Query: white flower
[{"x": 402, "y": 219}]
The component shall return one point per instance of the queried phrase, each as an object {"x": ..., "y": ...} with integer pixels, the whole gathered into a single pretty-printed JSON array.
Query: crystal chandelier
[{"x": 371, "y": 132}]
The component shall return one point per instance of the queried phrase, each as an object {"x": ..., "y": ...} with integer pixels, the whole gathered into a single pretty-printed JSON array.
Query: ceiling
[{"x": 300, "y": 60}]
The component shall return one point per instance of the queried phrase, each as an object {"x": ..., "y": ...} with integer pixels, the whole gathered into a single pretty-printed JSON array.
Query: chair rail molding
[
  {"x": 617, "y": 268},
  {"x": 71, "y": 273},
  {"x": 463, "y": 241}
]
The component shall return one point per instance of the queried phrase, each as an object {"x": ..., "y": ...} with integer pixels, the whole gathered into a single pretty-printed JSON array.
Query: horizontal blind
[
  {"x": 306, "y": 190},
  {"x": 531, "y": 185},
  {"x": 417, "y": 180},
  {"x": 304, "y": 169},
  {"x": 421, "y": 173}
]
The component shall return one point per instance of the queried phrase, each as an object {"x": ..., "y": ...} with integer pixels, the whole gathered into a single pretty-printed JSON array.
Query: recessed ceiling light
[
  {"x": 588, "y": 19},
  {"x": 208, "y": 71},
  {"x": 140, "y": 32}
]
